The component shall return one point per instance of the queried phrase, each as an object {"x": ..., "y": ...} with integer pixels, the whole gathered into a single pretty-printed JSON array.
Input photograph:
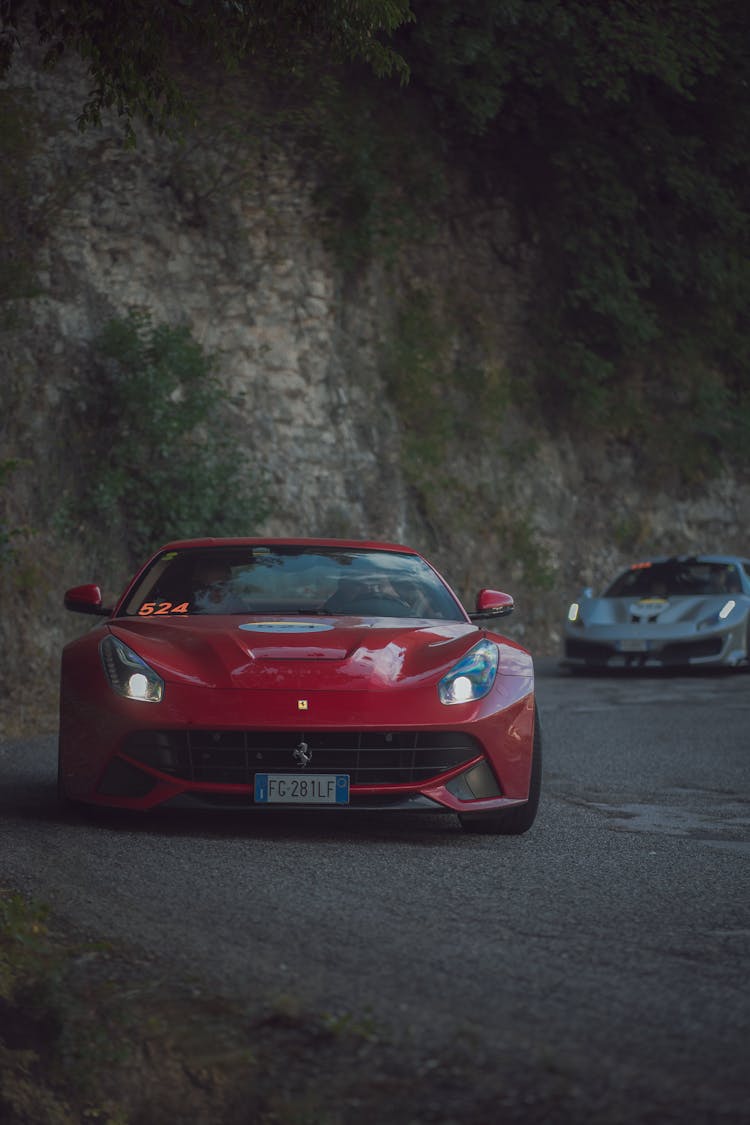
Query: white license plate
[
  {"x": 302, "y": 788},
  {"x": 632, "y": 646}
]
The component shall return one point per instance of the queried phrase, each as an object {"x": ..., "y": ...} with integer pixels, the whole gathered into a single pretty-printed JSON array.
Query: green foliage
[
  {"x": 160, "y": 462},
  {"x": 630, "y": 531},
  {"x": 345, "y": 1025},
  {"x": 522, "y": 544},
  {"x": 415, "y": 365},
  {"x": 621, "y": 131},
  {"x": 18, "y": 142},
  {"x": 618, "y": 130},
  {"x": 131, "y": 50},
  {"x": 438, "y": 394},
  {"x": 58, "y": 1045},
  {"x": 29, "y": 972},
  {"x": 376, "y": 187},
  {"x": 8, "y": 531},
  {"x": 24, "y": 944},
  {"x": 451, "y": 413},
  {"x": 95, "y": 1034},
  {"x": 694, "y": 424}
]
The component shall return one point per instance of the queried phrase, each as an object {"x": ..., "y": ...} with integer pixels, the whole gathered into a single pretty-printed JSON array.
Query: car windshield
[
  {"x": 676, "y": 578},
  {"x": 291, "y": 579}
]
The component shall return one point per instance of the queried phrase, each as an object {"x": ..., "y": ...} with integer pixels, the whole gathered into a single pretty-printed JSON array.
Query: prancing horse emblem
[{"x": 302, "y": 755}]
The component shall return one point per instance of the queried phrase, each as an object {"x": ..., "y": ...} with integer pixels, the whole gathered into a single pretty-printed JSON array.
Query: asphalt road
[{"x": 613, "y": 937}]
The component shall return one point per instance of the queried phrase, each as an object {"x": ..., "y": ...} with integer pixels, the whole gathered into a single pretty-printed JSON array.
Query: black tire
[
  {"x": 515, "y": 821},
  {"x": 66, "y": 803}
]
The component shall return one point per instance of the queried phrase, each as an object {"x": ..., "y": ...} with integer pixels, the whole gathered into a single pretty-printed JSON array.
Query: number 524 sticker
[{"x": 161, "y": 609}]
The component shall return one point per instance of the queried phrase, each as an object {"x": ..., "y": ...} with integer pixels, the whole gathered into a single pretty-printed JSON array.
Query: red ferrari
[{"x": 278, "y": 673}]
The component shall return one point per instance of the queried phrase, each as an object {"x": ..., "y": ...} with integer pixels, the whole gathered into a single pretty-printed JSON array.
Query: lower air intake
[{"x": 370, "y": 758}]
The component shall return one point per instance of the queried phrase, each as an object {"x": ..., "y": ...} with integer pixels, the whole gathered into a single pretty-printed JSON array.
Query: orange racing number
[{"x": 161, "y": 609}]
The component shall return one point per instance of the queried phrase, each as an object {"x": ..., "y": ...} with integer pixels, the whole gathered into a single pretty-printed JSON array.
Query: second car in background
[{"x": 682, "y": 610}]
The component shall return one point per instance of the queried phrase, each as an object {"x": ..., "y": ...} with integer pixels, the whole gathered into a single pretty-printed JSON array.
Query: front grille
[
  {"x": 588, "y": 650},
  {"x": 679, "y": 652},
  {"x": 369, "y": 757},
  {"x": 675, "y": 652}
]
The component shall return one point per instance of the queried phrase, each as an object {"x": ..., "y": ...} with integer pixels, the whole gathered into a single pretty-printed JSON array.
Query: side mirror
[
  {"x": 492, "y": 603},
  {"x": 86, "y": 599},
  {"x": 587, "y": 592}
]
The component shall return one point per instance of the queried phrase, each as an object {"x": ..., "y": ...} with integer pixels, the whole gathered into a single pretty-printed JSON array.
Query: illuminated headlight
[
  {"x": 128, "y": 675},
  {"x": 574, "y": 612},
  {"x": 472, "y": 677},
  {"x": 710, "y": 622}
]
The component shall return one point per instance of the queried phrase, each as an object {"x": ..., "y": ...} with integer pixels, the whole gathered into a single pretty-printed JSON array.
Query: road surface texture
[{"x": 609, "y": 945}]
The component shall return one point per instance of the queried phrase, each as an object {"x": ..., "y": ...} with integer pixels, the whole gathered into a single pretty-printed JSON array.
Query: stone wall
[
  {"x": 243, "y": 266},
  {"x": 225, "y": 235}
]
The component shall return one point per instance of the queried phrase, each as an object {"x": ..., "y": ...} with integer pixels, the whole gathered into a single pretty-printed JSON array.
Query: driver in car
[{"x": 213, "y": 592}]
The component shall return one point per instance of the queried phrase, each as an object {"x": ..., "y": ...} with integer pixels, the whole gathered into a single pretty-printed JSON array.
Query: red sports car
[{"x": 277, "y": 673}]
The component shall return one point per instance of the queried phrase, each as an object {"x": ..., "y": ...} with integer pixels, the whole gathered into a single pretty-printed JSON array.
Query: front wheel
[
  {"x": 66, "y": 803},
  {"x": 515, "y": 821}
]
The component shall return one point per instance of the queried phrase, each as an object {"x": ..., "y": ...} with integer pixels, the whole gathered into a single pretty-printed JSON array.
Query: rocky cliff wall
[{"x": 358, "y": 431}]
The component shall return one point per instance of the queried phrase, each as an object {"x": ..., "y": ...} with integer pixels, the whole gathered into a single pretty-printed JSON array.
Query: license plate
[
  {"x": 632, "y": 646},
  {"x": 302, "y": 788}
]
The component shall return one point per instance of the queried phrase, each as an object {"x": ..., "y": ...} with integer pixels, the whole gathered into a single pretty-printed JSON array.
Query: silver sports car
[{"x": 665, "y": 612}]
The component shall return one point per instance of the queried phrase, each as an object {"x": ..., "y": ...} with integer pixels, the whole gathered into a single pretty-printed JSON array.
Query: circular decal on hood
[
  {"x": 650, "y": 607},
  {"x": 286, "y": 626}
]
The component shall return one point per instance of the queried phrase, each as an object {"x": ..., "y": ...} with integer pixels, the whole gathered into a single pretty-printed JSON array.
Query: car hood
[
  {"x": 661, "y": 611},
  {"x": 326, "y": 654}
]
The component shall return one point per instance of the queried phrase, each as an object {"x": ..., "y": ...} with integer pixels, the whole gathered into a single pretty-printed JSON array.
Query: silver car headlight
[
  {"x": 717, "y": 618},
  {"x": 726, "y": 609},
  {"x": 574, "y": 614},
  {"x": 473, "y": 675},
  {"x": 128, "y": 674}
]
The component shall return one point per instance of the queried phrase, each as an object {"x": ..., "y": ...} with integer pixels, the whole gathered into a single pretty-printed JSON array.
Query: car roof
[
  {"x": 266, "y": 541},
  {"x": 689, "y": 558}
]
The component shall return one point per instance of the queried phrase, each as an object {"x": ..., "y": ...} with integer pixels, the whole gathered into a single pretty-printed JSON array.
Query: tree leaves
[{"x": 134, "y": 51}]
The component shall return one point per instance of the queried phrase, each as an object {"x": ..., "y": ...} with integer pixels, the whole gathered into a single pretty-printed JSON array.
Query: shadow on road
[{"x": 422, "y": 830}]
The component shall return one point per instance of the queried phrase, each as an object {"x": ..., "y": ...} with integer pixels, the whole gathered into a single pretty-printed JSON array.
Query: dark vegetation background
[
  {"x": 614, "y": 136},
  {"x": 618, "y": 131}
]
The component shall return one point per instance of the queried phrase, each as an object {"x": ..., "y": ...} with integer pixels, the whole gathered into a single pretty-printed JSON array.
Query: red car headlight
[
  {"x": 473, "y": 675},
  {"x": 128, "y": 674}
]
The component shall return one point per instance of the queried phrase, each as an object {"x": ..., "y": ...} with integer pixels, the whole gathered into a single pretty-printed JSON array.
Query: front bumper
[
  {"x": 605, "y": 648},
  {"x": 203, "y": 752}
]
